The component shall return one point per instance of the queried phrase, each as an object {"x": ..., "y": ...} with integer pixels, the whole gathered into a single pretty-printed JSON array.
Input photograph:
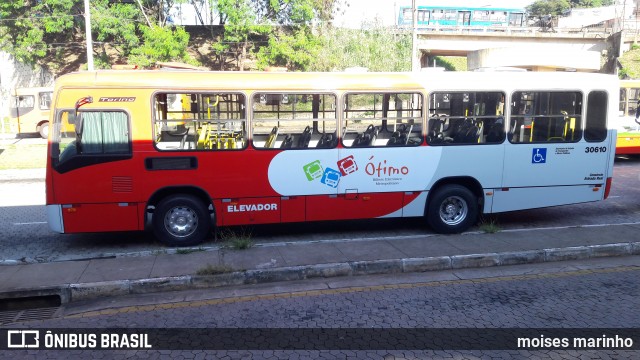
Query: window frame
[
  {"x": 76, "y": 161},
  {"x": 462, "y": 118},
  {"x": 588, "y": 113},
  {"x": 513, "y": 119},
  {"x": 314, "y": 123},
  {"x": 385, "y": 122},
  {"x": 244, "y": 131}
]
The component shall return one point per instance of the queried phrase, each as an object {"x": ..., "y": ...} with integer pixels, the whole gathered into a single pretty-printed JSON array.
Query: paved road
[
  {"x": 587, "y": 294},
  {"x": 25, "y": 236}
]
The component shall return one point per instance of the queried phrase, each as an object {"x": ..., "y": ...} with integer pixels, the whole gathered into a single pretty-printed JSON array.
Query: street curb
[{"x": 89, "y": 291}]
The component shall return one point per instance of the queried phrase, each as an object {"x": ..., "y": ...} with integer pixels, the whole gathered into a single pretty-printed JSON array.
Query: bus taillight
[{"x": 607, "y": 189}]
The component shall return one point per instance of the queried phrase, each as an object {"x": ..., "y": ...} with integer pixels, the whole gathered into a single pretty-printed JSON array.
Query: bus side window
[
  {"x": 546, "y": 116},
  {"x": 294, "y": 121},
  {"x": 466, "y": 118},
  {"x": 45, "y": 100},
  {"x": 596, "y": 128},
  {"x": 200, "y": 121},
  {"x": 382, "y": 119}
]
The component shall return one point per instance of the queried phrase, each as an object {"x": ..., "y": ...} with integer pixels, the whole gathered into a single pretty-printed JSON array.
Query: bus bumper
[{"x": 54, "y": 218}]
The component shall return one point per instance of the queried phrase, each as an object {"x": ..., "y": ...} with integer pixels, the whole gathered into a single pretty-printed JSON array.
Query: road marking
[{"x": 30, "y": 223}]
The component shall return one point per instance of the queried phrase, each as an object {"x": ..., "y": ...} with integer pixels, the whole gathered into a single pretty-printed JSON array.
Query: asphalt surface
[
  {"x": 154, "y": 268},
  {"x": 286, "y": 261}
]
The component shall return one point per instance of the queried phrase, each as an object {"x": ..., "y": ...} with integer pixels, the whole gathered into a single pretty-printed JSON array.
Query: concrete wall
[{"x": 536, "y": 59}]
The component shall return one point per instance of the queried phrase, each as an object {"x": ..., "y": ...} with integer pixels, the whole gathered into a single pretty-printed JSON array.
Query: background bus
[
  {"x": 29, "y": 110},
  {"x": 183, "y": 152},
  {"x": 628, "y": 130},
  {"x": 458, "y": 13}
]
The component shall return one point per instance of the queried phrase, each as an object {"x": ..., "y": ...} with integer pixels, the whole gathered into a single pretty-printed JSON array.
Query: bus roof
[{"x": 297, "y": 81}]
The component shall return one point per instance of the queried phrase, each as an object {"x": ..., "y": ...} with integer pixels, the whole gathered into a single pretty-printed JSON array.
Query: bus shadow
[{"x": 627, "y": 159}]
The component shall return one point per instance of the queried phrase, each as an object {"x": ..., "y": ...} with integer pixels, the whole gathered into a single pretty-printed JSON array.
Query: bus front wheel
[
  {"x": 452, "y": 209},
  {"x": 181, "y": 220}
]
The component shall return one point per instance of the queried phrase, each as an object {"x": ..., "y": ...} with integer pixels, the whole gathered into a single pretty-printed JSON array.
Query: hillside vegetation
[{"x": 630, "y": 62}]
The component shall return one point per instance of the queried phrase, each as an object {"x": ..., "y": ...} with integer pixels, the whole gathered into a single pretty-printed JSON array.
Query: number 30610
[{"x": 595, "y": 149}]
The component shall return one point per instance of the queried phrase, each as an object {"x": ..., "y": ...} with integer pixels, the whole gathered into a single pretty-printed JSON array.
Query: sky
[{"x": 387, "y": 10}]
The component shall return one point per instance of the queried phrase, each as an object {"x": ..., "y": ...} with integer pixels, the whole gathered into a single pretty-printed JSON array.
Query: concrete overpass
[{"x": 569, "y": 49}]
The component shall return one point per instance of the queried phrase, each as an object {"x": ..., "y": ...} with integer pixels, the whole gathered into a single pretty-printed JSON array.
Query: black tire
[
  {"x": 181, "y": 220},
  {"x": 452, "y": 209},
  {"x": 43, "y": 129}
]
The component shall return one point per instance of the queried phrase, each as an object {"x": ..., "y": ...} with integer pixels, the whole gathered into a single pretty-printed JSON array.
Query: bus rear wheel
[
  {"x": 43, "y": 129},
  {"x": 181, "y": 220},
  {"x": 452, "y": 209}
]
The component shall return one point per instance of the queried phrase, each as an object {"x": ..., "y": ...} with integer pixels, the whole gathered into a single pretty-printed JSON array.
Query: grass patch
[
  {"x": 188, "y": 251},
  {"x": 21, "y": 156},
  {"x": 214, "y": 270},
  {"x": 238, "y": 240},
  {"x": 489, "y": 227}
]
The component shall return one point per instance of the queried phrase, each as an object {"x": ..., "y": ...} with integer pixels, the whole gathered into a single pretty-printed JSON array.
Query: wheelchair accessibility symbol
[{"x": 539, "y": 156}]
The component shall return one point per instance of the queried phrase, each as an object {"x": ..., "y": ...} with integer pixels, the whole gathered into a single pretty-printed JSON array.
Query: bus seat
[
  {"x": 328, "y": 141},
  {"x": 361, "y": 140},
  {"x": 395, "y": 140},
  {"x": 287, "y": 142},
  {"x": 435, "y": 134},
  {"x": 496, "y": 132},
  {"x": 472, "y": 134},
  {"x": 203, "y": 136},
  {"x": 367, "y": 138},
  {"x": 271, "y": 140},
  {"x": 305, "y": 138},
  {"x": 462, "y": 132},
  {"x": 373, "y": 134}
]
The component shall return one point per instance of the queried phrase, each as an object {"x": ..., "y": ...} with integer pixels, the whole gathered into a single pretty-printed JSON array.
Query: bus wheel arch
[
  {"x": 454, "y": 204},
  {"x": 43, "y": 129},
  {"x": 181, "y": 216}
]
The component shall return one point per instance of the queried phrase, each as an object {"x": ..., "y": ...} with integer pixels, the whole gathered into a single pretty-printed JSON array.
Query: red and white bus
[{"x": 185, "y": 152}]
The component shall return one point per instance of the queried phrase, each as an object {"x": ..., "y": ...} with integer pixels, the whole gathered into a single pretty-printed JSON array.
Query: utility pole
[
  {"x": 414, "y": 48},
  {"x": 87, "y": 30}
]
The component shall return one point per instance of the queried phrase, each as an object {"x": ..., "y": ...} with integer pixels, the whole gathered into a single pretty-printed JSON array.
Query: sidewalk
[{"x": 97, "y": 278}]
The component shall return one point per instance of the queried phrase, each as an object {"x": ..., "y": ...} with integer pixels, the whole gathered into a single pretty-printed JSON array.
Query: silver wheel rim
[
  {"x": 181, "y": 221},
  {"x": 453, "y": 210}
]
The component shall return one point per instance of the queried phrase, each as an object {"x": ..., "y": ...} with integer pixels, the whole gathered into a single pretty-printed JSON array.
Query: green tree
[
  {"x": 559, "y": 7},
  {"x": 26, "y": 25},
  {"x": 240, "y": 24},
  {"x": 297, "y": 47},
  {"x": 115, "y": 26},
  {"x": 161, "y": 44},
  {"x": 294, "y": 51},
  {"x": 35, "y": 31},
  {"x": 548, "y": 7}
]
